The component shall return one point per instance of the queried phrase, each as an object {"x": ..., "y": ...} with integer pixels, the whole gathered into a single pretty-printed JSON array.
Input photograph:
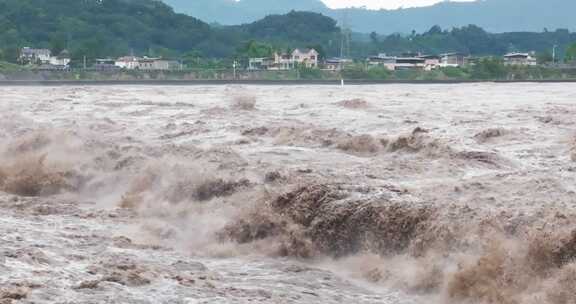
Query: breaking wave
[
  {"x": 390, "y": 238},
  {"x": 205, "y": 200}
]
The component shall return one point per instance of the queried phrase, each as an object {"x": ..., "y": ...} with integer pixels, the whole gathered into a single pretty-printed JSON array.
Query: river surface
[{"x": 124, "y": 194}]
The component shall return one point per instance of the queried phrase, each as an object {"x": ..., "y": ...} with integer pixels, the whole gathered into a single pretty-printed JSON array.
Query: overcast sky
[{"x": 386, "y": 4}]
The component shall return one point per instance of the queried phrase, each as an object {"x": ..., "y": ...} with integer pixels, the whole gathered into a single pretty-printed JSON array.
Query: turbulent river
[{"x": 288, "y": 194}]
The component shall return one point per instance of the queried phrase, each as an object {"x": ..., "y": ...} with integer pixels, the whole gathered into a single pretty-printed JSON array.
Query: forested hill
[
  {"x": 110, "y": 28},
  {"x": 99, "y": 27},
  {"x": 493, "y": 15},
  {"x": 102, "y": 28},
  {"x": 293, "y": 28},
  {"x": 469, "y": 39}
]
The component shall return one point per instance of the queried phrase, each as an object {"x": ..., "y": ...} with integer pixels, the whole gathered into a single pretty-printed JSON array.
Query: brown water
[{"x": 271, "y": 194}]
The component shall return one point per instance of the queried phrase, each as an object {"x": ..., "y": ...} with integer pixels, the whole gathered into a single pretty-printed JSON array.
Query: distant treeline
[
  {"x": 111, "y": 28},
  {"x": 471, "y": 40}
]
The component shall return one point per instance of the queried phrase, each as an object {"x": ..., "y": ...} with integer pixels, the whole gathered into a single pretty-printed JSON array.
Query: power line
[{"x": 345, "y": 35}]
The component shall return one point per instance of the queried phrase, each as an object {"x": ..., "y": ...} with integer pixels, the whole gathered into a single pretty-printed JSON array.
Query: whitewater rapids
[{"x": 288, "y": 194}]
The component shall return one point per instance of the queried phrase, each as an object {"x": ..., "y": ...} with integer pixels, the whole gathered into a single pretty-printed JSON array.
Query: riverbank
[
  {"x": 257, "y": 82},
  {"x": 354, "y": 74}
]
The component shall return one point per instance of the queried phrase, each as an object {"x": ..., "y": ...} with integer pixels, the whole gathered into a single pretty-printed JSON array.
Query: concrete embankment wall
[
  {"x": 251, "y": 82},
  {"x": 39, "y": 75}
]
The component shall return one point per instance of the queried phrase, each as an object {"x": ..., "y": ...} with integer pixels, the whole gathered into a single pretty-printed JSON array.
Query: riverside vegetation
[{"x": 104, "y": 29}]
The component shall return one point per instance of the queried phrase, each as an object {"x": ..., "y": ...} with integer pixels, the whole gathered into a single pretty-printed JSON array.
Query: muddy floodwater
[{"x": 389, "y": 194}]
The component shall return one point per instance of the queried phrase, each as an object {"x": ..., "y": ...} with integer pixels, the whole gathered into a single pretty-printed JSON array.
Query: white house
[
  {"x": 146, "y": 63},
  {"x": 105, "y": 64},
  {"x": 284, "y": 61},
  {"x": 453, "y": 60},
  {"x": 525, "y": 59},
  {"x": 127, "y": 62},
  {"x": 431, "y": 61},
  {"x": 384, "y": 60},
  {"x": 335, "y": 64},
  {"x": 410, "y": 63},
  {"x": 263, "y": 63},
  {"x": 150, "y": 64},
  {"x": 63, "y": 59},
  {"x": 399, "y": 63},
  {"x": 305, "y": 57},
  {"x": 157, "y": 64},
  {"x": 30, "y": 55}
]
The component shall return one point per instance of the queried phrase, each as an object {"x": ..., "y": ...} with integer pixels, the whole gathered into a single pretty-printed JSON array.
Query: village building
[
  {"x": 524, "y": 59},
  {"x": 282, "y": 61},
  {"x": 383, "y": 60},
  {"x": 410, "y": 63},
  {"x": 264, "y": 63},
  {"x": 146, "y": 63},
  {"x": 105, "y": 64},
  {"x": 453, "y": 60},
  {"x": 175, "y": 65},
  {"x": 418, "y": 61},
  {"x": 285, "y": 61},
  {"x": 399, "y": 63},
  {"x": 335, "y": 64},
  {"x": 149, "y": 64},
  {"x": 157, "y": 64},
  {"x": 431, "y": 62},
  {"x": 34, "y": 56},
  {"x": 278, "y": 62},
  {"x": 127, "y": 62},
  {"x": 305, "y": 57},
  {"x": 62, "y": 60}
]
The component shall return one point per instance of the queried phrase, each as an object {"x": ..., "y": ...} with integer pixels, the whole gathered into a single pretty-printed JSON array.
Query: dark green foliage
[
  {"x": 470, "y": 39},
  {"x": 489, "y": 69},
  {"x": 454, "y": 73},
  {"x": 493, "y": 15},
  {"x": 9, "y": 54},
  {"x": 98, "y": 28},
  {"x": 109, "y": 28},
  {"x": 254, "y": 49},
  {"x": 293, "y": 27},
  {"x": 571, "y": 53},
  {"x": 544, "y": 57},
  {"x": 309, "y": 73},
  {"x": 362, "y": 72}
]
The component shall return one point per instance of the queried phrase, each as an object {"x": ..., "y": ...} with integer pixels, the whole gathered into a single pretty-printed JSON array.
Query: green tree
[
  {"x": 254, "y": 49},
  {"x": 570, "y": 53},
  {"x": 374, "y": 38},
  {"x": 488, "y": 69},
  {"x": 10, "y": 54},
  {"x": 57, "y": 43},
  {"x": 435, "y": 30},
  {"x": 544, "y": 57},
  {"x": 192, "y": 59},
  {"x": 309, "y": 73}
]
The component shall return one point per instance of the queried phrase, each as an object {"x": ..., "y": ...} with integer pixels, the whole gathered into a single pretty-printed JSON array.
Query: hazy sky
[{"x": 386, "y": 4}]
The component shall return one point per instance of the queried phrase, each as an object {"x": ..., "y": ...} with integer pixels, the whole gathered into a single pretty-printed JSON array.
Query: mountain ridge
[{"x": 493, "y": 15}]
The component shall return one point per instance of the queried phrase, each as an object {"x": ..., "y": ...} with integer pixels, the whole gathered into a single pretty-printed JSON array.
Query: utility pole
[
  {"x": 345, "y": 34},
  {"x": 345, "y": 37},
  {"x": 234, "y": 67},
  {"x": 554, "y": 53},
  {"x": 84, "y": 60}
]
